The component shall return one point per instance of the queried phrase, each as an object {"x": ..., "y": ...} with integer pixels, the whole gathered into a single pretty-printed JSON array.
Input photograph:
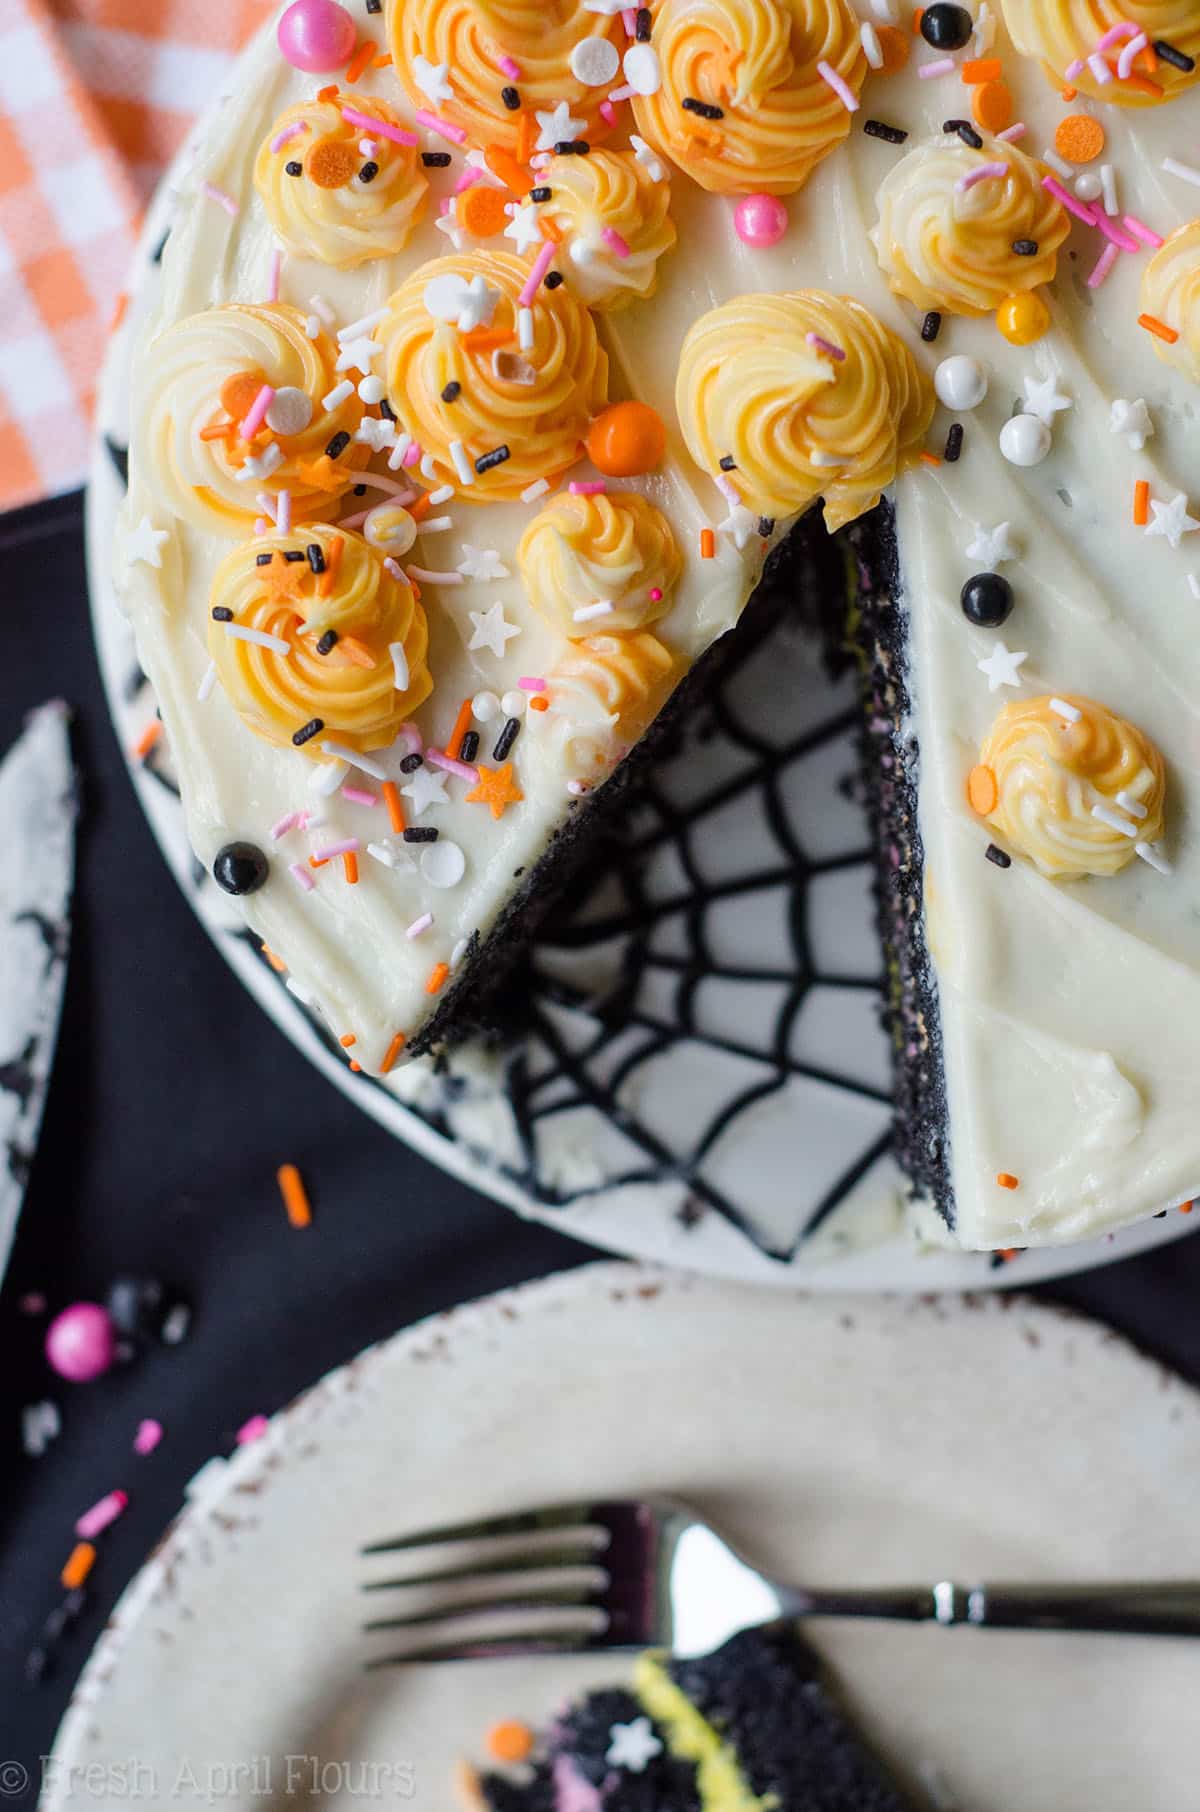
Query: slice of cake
[{"x": 499, "y": 345}]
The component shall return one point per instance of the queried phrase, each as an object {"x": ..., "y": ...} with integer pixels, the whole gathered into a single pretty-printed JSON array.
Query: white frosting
[{"x": 1069, "y": 1010}]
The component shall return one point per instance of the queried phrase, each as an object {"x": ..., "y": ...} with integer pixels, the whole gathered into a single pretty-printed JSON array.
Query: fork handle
[{"x": 1171, "y": 1608}]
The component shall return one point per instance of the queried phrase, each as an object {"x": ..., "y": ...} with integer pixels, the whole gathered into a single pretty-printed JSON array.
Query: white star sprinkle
[
  {"x": 1132, "y": 419},
  {"x": 261, "y": 465},
  {"x": 741, "y": 523},
  {"x": 478, "y": 306},
  {"x": 991, "y": 547},
  {"x": 491, "y": 630},
  {"x": 558, "y": 127},
  {"x": 432, "y": 79},
  {"x": 376, "y": 434},
  {"x": 481, "y": 563},
  {"x": 646, "y": 155},
  {"x": 448, "y": 223},
  {"x": 525, "y": 229},
  {"x": 426, "y": 787},
  {"x": 145, "y": 543},
  {"x": 1044, "y": 399},
  {"x": 1172, "y": 519},
  {"x": 1002, "y": 667},
  {"x": 985, "y": 31},
  {"x": 356, "y": 355},
  {"x": 632, "y": 1745}
]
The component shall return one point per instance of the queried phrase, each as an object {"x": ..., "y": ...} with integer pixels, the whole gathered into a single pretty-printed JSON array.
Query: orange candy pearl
[{"x": 626, "y": 439}]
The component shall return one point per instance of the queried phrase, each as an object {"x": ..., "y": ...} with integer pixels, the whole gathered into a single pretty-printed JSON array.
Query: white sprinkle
[
  {"x": 372, "y": 390},
  {"x": 208, "y": 682},
  {"x": 1108, "y": 188},
  {"x": 420, "y": 925},
  {"x": 525, "y": 328},
  {"x": 1149, "y": 853},
  {"x": 396, "y": 457},
  {"x": 459, "y": 951},
  {"x": 359, "y": 327},
  {"x": 428, "y": 466},
  {"x": 533, "y": 491},
  {"x": 1099, "y": 69},
  {"x": 1065, "y": 170},
  {"x": 885, "y": 10},
  {"x": 1070, "y": 712},
  {"x": 1114, "y": 820},
  {"x": 1193, "y": 585},
  {"x": 436, "y": 525},
  {"x": 312, "y": 327},
  {"x": 355, "y": 760},
  {"x": 872, "y": 48},
  {"x": 462, "y": 464},
  {"x": 1187, "y": 172},
  {"x": 586, "y": 612},
  {"x": 443, "y": 494},
  {"x": 399, "y": 666},
  {"x": 259, "y": 637},
  {"x": 320, "y": 307},
  {"x": 327, "y": 778},
  {"x": 1128, "y": 803},
  {"x": 423, "y": 576},
  {"x": 333, "y": 399},
  {"x": 368, "y": 147}
]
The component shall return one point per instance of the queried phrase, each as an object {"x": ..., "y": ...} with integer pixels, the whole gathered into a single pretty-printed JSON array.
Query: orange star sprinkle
[
  {"x": 279, "y": 578},
  {"x": 496, "y": 789}
]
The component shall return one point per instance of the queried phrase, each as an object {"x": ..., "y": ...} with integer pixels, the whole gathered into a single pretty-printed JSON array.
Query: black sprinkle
[
  {"x": 496, "y": 457},
  {"x": 411, "y": 763},
  {"x": 705, "y": 109},
  {"x": 421, "y": 833},
  {"x": 360, "y": 490},
  {"x": 966, "y": 132},
  {"x": 263, "y": 559},
  {"x": 160, "y": 248},
  {"x": 642, "y": 25},
  {"x": 553, "y": 279},
  {"x": 435, "y": 160},
  {"x": 316, "y": 559},
  {"x": 1170, "y": 53},
  {"x": 1025, "y": 248},
  {"x": 374, "y": 6},
  {"x": 37, "y": 1666},
  {"x": 292, "y": 555},
  {"x": 511, "y": 99},
  {"x": 506, "y": 738},
  {"x": 954, "y": 440},
  {"x": 369, "y": 171},
  {"x": 338, "y": 445},
  {"x": 766, "y": 526},
  {"x": 931, "y": 326},
  {"x": 307, "y": 731},
  {"x": 293, "y": 168},
  {"x": 327, "y": 641},
  {"x": 386, "y": 410},
  {"x": 998, "y": 856},
  {"x": 894, "y": 135},
  {"x": 452, "y": 392},
  {"x": 469, "y": 747},
  {"x": 728, "y": 463},
  {"x": 541, "y": 193},
  {"x": 222, "y": 613},
  {"x": 572, "y": 147}
]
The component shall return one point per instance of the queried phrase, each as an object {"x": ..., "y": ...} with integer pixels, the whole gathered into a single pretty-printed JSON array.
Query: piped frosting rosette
[
  {"x": 759, "y": 64},
  {"x": 948, "y": 218},
  {"x": 1171, "y": 293},
  {"x": 327, "y": 198},
  {"x": 612, "y": 217},
  {"x": 808, "y": 394},
  {"x": 1065, "y": 35},
  {"x": 1074, "y": 797},
  {"x": 466, "y": 43},
  {"x": 614, "y": 548},
  {"x": 334, "y": 674},
  {"x": 193, "y": 390},
  {"x": 604, "y": 694},
  {"x": 494, "y": 414}
]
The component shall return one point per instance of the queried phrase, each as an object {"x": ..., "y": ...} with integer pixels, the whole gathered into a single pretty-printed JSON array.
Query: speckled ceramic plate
[
  {"x": 700, "y": 1074},
  {"x": 870, "y": 1440}
]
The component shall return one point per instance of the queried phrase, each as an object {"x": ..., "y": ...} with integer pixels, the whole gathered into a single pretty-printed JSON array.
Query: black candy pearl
[
  {"x": 946, "y": 27},
  {"x": 987, "y": 600},
  {"x": 240, "y": 868}
]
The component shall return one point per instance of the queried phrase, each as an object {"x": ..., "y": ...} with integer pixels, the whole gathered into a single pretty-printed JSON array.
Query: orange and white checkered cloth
[{"x": 95, "y": 96}]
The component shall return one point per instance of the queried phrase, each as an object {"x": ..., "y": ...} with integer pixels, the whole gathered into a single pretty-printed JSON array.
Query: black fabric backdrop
[{"x": 173, "y": 1101}]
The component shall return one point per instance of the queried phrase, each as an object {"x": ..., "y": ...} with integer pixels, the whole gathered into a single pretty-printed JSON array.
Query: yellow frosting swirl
[
  {"x": 943, "y": 245},
  {"x": 798, "y": 422},
  {"x": 537, "y": 403},
  {"x": 177, "y": 391},
  {"x": 1171, "y": 292},
  {"x": 614, "y": 547},
  {"x": 1050, "y": 774},
  {"x": 1062, "y": 32},
  {"x": 331, "y": 211},
  {"x": 756, "y": 60},
  {"x": 351, "y": 689},
  {"x": 605, "y": 693},
  {"x": 471, "y": 36},
  {"x": 609, "y": 191}
]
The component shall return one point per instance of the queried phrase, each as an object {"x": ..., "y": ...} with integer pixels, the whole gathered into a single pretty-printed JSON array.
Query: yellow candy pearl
[{"x": 1023, "y": 319}]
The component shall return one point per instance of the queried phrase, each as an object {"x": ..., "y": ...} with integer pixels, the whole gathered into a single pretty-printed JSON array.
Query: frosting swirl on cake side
[
  {"x": 1064, "y": 789},
  {"x": 1171, "y": 293},
  {"x": 612, "y": 216},
  {"x": 948, "y": 219},
  {"x": 605, "y": 692},
  {"x": 350, "y": 690},
  {"x": 757, "y": 62},
  {"x": 326, "y": 198},
  {"x": 615, "y": 548},
  {"x": 760, "y": 382},
  {"x": 1064, "y": 34}
]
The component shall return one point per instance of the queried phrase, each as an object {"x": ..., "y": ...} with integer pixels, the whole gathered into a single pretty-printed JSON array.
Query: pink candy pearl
[
  {"x": 760, "y": 220},
  {"x": 81, "y": 1342},
  {"x": 317, "y": 35}
]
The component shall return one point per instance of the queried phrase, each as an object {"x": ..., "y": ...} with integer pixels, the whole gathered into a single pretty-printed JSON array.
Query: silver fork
[{"x": 633, "y": 1574}]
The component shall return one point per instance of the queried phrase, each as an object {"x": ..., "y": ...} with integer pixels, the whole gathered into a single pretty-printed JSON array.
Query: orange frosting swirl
[
  {"x": 798, "y": 422},
  {"x": 756, "y": 60},
  {"x": 1051, "y": 774},
  {"x": 615, "y": 548},
  {"x": 330, "y": 211},
  {"x": 178, "y": 411},
  {"x": 1062, "y": 32},
  {"x": 608, "y": 191},
  {"x": 605, "y": 693},
  {"x": 537, "y": 403},
  {"x": 1171, "y": 292},
  {"x": 471, "y": 36},
  {"x": 945, "y": 246},
  {"x": 351, "y": 689}
]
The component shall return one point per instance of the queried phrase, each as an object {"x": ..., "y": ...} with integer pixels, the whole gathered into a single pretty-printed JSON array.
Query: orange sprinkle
[
  {"x": 503, "y": 164},
  {"x": 708, "y": 544},
  {"x": 1007, "y": 1180},
  {"x": 347, "y": 1039},
  {"x": 1068, "y": 93},
  {"x": 318, "y": 861},
  {"x": 295, "y": 1195},
  {"x": 357, "y": 1068},
  {"x": 462, "y": 724},
  {"x": 526, "y": 136},
  {"x": 350, "y": 864},
  {"x": 930, "y": 459},
  {"x": 421, "y": 507},
  {"x": 918, "y": 15},
  {"x": 1186, "y": 1207},
  {"x": 1079, "y": 138},
  {"x": 277, "y": 963},
  {"x": 147, "y": 740},
  {"x": 1153, "y": 325},
  {"x": 222, "y": 431},
  {"x": 1141, "y": 502},
  {"x": 80, "y": 1562},
  {"x": 1146, "y": 59},
  {"x": 982, "y": 791},
  {"x": 982, "y": 69},
  {"x": 539, "y": 702},
  {"x": 358, "y": 62},
  {"x": 393, "y": 1051},
  {"x": 333, "y": 559},
  {"x": 357, "y": 653},
  {"x": 381, "y": 61},
  {"x": 550, "y": 231},
  {"x": 437, "y": 978},
  {"x": 992, "y": 106},
  {"x": 1140, "y": 84},
  {"x": 893, "y": 46},
  {"x": 328, "y": 93},
  {"x": 1008, "y": 1253},
  {"x": 395, "y": 810},
  {"x": 479, "y": 210},
  {"x": 118, "y": 313},
  {"x": 510, "y": 1741}
]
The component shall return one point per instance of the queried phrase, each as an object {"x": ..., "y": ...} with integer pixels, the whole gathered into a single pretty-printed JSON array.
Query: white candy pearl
[
  {"x": 443, "y": 863},
  {"x": 960, "y": 382},
  {"x": 390, "y": 528},
  {"x": 372, "y": 390},
  {"x": 594, "y": 61},
  {"x": 513, "y": 704},
  {"x": 1088, "y": 187},
  {"x": 484, "y": 706},
  {"x": 1024, "y": 440},
  {"x": 290, "y": 412}
]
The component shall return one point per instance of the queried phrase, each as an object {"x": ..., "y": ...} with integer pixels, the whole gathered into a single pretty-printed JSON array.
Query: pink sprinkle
[
  {"x": 1124, "y": 242},
  {"x": 420, "y": 925},
  {"x": 1130, "y": 51},
  {"x": 1074, "y": 68},
  {"x": 284, "y": 826},
  {"x": 629, "y": 19},
  {"x": 302, "y": 875},
  {"x": 541, "y": 265},
  {"x": 532, "y": 684},
  {"x": 101, "y": 1515},
  {"x": 412, "y": 455},
  {"x": 511, "y": 68},
  {"x": 1103, "y": 265},
  {"x": 656, "y": 594},
  {"x": 424, "y": 577},
  {"x": 443, "y": 207},
  {"x": 824, "y": 345},
  {"x": 253, "y": 1430},
  {"x": 1112, "y": 36},
  {"x": 222, "y": 197},
  {"x": 468, "y": 179},
  {"x": 358, "y": 795},
  {"x": 355, "y": 521},
  {"x": 1011, "y": 134},
  {"x": 1080, "y": 209},
  {"x": 253, "y": 419},
  {"x": 412, "y": 737},
  {"x": 941, "y": 67},
  {"x": 621, "y": 94},
  {"x": 399, "y": 135},
  {"x": 1141, "y": 231},
  {"x": 615, "y": 242},
  {"x": 586, "y": 487},
  {"x": 432, "y": 122},
  {"x": 346, "y": 847},
  {"x": 401, "y": 494},
  {"x": 727, "y": 488},
  {"x": 608, "y": 113},
  {"x": 289, "y": 132},
  {"x": 842, "y": 88},
  {"x": 463, "y": 769},
  {"x": 283, "y": 513},
  {"x": 274, "y": 267},
  {"x": 261, "y": 525},
  {"x": 1100, "y": 70},
  {"x": 980, "y": 173},
  {"x": 148, "y": 1436}
]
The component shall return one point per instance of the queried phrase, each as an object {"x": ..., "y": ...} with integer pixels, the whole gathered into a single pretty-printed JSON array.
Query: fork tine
[
  {"x": 514, "y": 1591},
  {"x": 462, "y": 1559},
  {"x": 479, "y": 1651},
  {"x": 566, "y": 1516},
  {"x": 516, "y": 1629}
]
